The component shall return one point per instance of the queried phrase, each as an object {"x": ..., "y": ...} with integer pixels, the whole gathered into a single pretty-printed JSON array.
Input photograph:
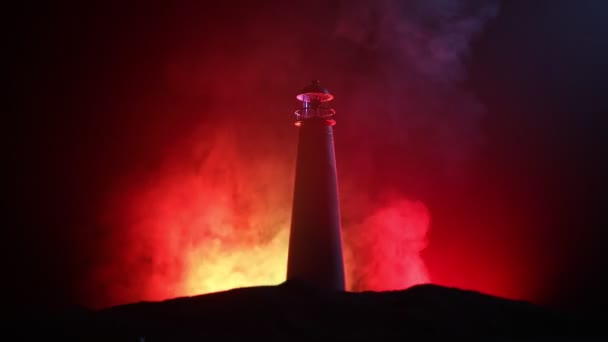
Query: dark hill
[{"x": 295, "y": 311}]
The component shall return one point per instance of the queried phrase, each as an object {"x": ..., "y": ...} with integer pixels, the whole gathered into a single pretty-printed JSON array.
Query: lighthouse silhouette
[{"x": 315, "y": 241}]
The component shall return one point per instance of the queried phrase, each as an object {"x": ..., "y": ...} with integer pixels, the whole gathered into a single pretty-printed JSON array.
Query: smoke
[
  {"x": 430, "y": 37},
  {"x": 213, "y": 213},
  {"x": 209, "y": 219},
  {"x": 421, "y": 132},
  {"x": 412, "y": 83},
  {"x": 383, "y": 252}
]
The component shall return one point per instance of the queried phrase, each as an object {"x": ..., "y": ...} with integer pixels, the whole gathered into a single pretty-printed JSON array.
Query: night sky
[{"x": 151, "y": 149}]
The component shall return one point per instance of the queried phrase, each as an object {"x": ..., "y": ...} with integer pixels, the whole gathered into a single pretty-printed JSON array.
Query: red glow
[
  {"x": 222, "y": 222},
  {"x": 384, "y": 251},
  {"x": 216, "y": 216},
  {"x": 225, "y": 224},
  {"x": 165, "y": 217}
]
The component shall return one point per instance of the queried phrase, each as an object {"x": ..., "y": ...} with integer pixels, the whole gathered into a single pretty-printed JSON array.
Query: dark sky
[
  {"x": 503, "y": 142},
  {"x": 541, "y": 70}
]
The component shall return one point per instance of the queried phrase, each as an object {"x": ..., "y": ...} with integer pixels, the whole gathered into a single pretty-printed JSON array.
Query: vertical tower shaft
[{"x": 315, "y": 243}]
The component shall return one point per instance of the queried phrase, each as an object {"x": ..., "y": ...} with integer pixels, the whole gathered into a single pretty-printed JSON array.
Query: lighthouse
[{"x": 315, "y": 241}]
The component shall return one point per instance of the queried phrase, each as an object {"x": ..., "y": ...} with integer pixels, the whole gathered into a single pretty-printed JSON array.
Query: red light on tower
[
  {"x": 315, "y": 104},
  {"x": 315, "y": 241}
]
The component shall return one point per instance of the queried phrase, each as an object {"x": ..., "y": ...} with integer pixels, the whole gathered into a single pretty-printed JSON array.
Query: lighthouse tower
[{"x": 315, "y": 242}]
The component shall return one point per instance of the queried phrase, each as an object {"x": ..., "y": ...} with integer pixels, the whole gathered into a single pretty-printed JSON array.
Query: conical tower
[{"x": 315, "y": 242}]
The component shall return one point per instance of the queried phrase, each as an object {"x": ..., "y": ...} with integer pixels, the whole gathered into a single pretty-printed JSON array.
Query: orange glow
[
  {"x": 216, "y": 268},
  {"x": 211, "y": 219}
]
